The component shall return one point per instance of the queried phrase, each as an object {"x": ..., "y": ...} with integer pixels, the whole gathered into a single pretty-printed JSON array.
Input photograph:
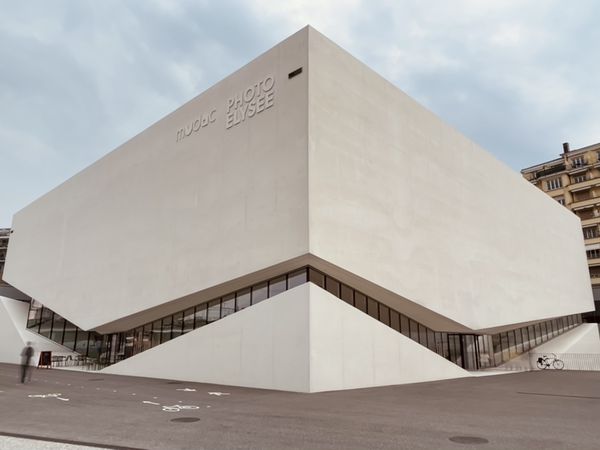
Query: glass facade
[{"x": 470, "y": 351}]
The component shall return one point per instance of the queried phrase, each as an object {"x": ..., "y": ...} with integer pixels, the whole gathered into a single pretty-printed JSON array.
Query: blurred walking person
[{"x": 26, "y": 356}]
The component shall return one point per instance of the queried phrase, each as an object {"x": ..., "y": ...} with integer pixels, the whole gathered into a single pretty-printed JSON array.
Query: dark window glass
[
  {"x": 519, "y": 341},
  {"x": 372, "y": 308},
  {"x": 188, "y": 320},
  {"x": 243, "y": 299},
  {"x": 138, "y": 336},
  {"x": 259, "y": 293},
  {"x": 177, "y": 325},
  {"x": 544, "y": 331},
  {"x": 277, "y": 286},
  {"x": 82, "y": 342},
  {"x": 512, "y": 343},
  {"x": 332, "y": 286},
  {"x": 347, "y": 294},
  {"x": 46, "y": 323},
  {"x": 443, "y": 345},
  {"x": 531, "y": 333},
  {"x": 395, "y": 320},
  {"x": 70, "y": 335},
  {"x": 497, "y": 348},
  {"x": 167, "y": 325},
  {"x": 384, "y": 314},
  {"x": 431, "y": 340},
  {"x": 296, "y": 278},
  {"x": 414, "y": 330},
  {"x": 200, "y": 316},
  {"x": 147, "y": 339},
  {"x": 58, "y": 328},
  {"x": 404, "y": 327},
  {"x": 525, "y": 335},
  {"x": 360, "y": 301},
  {"x": 214, "y": 310},
  {"x": 538, "y": 333},
  {"x": 35, "y": 314},
  {"x": 96, "y": 346},
  {"x": 156, "y": 332},
  {"x": 422, "y": 335},
  {"x": 316, "y": 277},
  {"x": 228, "y": 305},
  {"x": 505, "y": 345},
  {"x": 129, "y": 343}
]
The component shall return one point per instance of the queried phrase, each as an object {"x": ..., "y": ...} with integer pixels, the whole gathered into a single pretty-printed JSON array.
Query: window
[
  {"x": 593, "y": 254},
  {"x": 578, "y": 162},
  {"x": 555, "y": 183},
  {"x": 578, "y": 178},
  {"x": 560, "y": 200},
  {"x": 590, "y": 232},
  {"x": 228, "y": 306}
]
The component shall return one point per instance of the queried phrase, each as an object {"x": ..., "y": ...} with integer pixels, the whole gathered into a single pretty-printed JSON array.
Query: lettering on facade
[
  {"x": 250, "y": 102},
  {"x": 202, "y": 121},
  {"x": 244, "y": 105}
]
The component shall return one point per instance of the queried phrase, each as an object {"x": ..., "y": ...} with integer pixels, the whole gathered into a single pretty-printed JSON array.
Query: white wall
[
  {"x": 156, "y": 219},
  {"x": 399, "y": 198}
]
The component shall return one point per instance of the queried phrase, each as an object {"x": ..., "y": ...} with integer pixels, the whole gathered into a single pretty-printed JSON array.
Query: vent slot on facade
[{"x": 295, "y": 72}]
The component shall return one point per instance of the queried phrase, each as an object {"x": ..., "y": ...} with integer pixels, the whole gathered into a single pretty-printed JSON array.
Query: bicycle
[{"x": 545, "y": 362}]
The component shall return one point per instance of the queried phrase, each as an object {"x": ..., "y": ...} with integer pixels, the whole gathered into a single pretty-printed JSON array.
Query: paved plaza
[{"x": 68, "y": 409}]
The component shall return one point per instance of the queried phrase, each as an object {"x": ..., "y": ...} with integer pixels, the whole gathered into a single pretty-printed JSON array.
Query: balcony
[{"x": 578, "y": 168}]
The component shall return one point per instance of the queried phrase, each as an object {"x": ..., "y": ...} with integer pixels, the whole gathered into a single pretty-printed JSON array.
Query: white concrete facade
[{"x": 267, "y": 171}]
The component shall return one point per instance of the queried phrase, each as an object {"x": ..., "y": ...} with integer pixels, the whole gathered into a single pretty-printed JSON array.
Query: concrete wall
[
  {"x": 399, "y": 198},
  {"x": 158, "y": 219},
  {"x": 302, "y": 340}
]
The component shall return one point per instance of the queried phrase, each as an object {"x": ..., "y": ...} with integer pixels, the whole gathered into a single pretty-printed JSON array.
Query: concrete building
[
  {"x": 573, "y": 180},
  {"x": 301, "y": 225}
]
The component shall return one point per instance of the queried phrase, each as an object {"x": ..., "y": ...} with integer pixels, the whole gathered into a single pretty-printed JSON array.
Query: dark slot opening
[{"x": 295, "y": 72}]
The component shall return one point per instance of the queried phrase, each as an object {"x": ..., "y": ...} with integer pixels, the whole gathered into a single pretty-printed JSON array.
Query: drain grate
[
  {"x": 185, "y": 419},
  {"x": 468, "y": 440}
]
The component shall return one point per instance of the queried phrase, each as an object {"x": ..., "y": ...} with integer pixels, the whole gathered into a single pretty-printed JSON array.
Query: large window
[{"x": 555, "y": 183}]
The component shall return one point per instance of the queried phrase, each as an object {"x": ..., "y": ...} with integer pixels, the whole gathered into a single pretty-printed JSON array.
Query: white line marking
[
  {"x": 150, "y": 403},
  {"x": 186, "y": 390},
  {"x": 218, "y": 394}
]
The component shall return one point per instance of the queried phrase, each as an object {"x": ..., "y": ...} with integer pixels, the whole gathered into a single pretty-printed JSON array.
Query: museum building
[{"x": 302, "y": 225}]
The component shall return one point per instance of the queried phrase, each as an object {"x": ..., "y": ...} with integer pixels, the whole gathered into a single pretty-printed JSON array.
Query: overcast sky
[{"x": 79, "y": 77}]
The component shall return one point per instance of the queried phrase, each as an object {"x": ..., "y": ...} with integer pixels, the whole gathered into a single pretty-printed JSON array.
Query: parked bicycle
[{"x": 550, "y": 361}]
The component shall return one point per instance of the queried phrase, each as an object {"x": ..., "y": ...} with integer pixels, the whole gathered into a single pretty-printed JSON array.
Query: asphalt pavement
[{"x": 65, "y": 409}]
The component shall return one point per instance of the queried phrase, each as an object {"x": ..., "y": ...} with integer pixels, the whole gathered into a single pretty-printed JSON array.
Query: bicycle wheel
[
  {"x": 558, "y": 364},
  {"x": 541, "y": 365}
]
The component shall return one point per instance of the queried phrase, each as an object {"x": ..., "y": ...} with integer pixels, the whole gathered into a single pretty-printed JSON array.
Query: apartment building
[{"x": 573, "y": 180}]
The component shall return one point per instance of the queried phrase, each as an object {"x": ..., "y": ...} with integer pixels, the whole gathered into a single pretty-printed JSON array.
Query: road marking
[
  {"x": 218, "y": 394},
  {"x": 186, "y": 390},
  {"x": 150, "y": 403}
]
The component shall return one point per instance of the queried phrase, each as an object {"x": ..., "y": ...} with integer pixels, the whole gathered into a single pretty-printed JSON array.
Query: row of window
[
  {"x": 593, "y": 254},
  {"x": 462, "y": 349}
]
